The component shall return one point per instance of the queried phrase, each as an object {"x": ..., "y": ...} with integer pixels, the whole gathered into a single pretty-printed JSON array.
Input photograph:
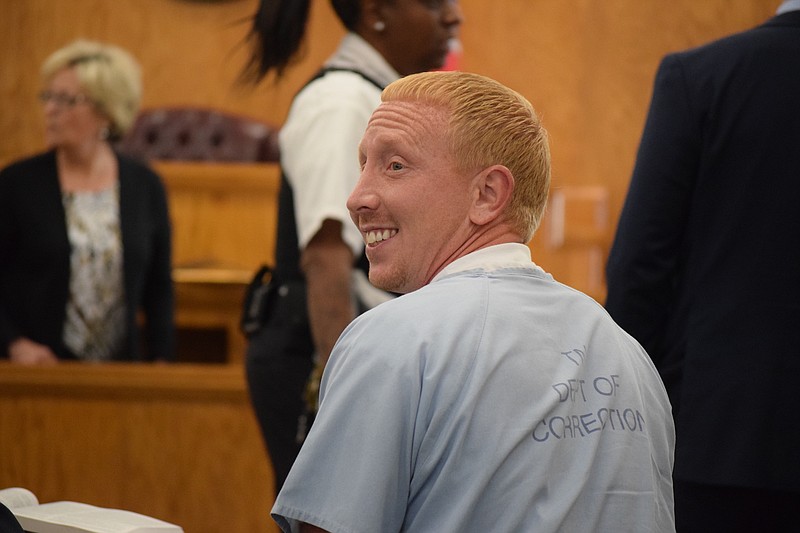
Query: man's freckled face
[{"x": 410, "y": 202}]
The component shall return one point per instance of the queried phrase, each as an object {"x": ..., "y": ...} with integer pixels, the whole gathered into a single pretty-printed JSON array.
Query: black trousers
[
  {"x": 278, "y": 363},
  {"x": 711, "y": 509}
]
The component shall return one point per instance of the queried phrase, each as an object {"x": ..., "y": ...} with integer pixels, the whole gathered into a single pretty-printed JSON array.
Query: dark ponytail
[
  {"x": 275, "y": 37},
  {"x": 277, "y": 31},
  {"x": 348, "y": 11}
]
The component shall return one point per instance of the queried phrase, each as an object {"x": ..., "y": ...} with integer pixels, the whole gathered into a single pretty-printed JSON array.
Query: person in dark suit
[
  {"x": 84, "y": 232},
  {"x": 705, "y": 271}
]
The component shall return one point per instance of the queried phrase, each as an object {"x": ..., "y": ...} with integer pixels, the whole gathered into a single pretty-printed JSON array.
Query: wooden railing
[{"x": 177, "y": 442}]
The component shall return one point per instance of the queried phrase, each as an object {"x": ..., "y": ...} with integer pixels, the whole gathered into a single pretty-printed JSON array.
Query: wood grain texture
[
  {"x": 223, "y": 215},
  {"x": 177, "y": 442},
  {"x": 224, "y": 218}
]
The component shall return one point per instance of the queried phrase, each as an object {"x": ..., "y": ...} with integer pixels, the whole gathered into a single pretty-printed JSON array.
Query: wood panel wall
[{"x": 587, "y": 66}]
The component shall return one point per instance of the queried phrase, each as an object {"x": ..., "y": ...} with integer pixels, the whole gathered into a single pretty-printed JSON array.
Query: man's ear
[{"x": 492, "y": 190}]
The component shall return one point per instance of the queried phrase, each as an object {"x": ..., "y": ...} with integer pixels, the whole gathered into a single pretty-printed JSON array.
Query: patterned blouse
[{"x": 94, "y": 328}]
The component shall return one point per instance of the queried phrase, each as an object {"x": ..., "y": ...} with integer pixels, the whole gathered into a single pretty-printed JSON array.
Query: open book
[{"x": 74, "y": 517}]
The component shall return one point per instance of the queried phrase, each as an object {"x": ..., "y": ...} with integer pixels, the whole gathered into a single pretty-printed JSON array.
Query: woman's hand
[{"x": 28, "y": 352}]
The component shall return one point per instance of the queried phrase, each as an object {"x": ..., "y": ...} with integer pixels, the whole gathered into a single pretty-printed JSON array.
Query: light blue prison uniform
[{"x": 492, "y": 399}]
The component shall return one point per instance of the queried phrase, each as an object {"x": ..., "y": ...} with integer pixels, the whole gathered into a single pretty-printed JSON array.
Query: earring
[{"x": 379, "y": 26}]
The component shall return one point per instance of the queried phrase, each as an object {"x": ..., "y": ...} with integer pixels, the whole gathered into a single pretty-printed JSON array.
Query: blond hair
[
  {"x": 110, "y": 76},
  {"x": 488, "y": 124}
]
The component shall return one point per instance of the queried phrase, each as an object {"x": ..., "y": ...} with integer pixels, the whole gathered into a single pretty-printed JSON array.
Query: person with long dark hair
[{"x": 319, "y": 276}]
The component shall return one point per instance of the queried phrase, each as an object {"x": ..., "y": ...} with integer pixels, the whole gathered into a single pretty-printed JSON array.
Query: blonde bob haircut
[
  {"x": 488, "y": 124},
  {"x": 110, "y": 76}
]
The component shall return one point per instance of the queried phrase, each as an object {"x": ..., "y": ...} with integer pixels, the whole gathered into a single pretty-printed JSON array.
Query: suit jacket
[
  {"x": 705, "y": 267},
  {"x": 35, "y": 257}
]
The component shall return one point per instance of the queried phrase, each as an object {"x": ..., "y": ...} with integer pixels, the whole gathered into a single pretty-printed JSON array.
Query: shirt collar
[
  {"x": 508, "y": 255},
  {"x": 354, "y": 53},
  {"x": 788, "y": 5}
]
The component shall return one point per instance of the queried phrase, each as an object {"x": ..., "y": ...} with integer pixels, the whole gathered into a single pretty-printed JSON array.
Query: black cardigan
[{"x": 35, "y": 257}]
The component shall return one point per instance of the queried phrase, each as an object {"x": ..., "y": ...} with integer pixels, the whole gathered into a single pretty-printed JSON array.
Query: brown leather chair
[{"x": 199, "y": 134}]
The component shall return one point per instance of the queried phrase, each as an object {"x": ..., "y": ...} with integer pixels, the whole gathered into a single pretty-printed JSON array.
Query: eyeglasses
[{"x": 63, "y": 99}]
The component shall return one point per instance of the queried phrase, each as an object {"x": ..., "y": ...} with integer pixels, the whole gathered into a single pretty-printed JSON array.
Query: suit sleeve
[{"x": 644, "y": 263}]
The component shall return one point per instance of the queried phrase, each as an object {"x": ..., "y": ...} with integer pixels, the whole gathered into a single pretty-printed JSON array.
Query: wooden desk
[
  {"x": 177, "y": 442},
  {"x": 211, "y": 299}
]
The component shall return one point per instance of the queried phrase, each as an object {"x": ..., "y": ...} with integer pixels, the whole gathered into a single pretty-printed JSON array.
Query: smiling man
[{"x": 488, "y": 397}]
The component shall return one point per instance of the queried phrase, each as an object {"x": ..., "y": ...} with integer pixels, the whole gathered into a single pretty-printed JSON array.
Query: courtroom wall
[{"x": 587, "y": 65}]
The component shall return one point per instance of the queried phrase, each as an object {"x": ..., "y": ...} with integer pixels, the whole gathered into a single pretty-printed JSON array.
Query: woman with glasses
[{"x": 85, "y": 232}]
